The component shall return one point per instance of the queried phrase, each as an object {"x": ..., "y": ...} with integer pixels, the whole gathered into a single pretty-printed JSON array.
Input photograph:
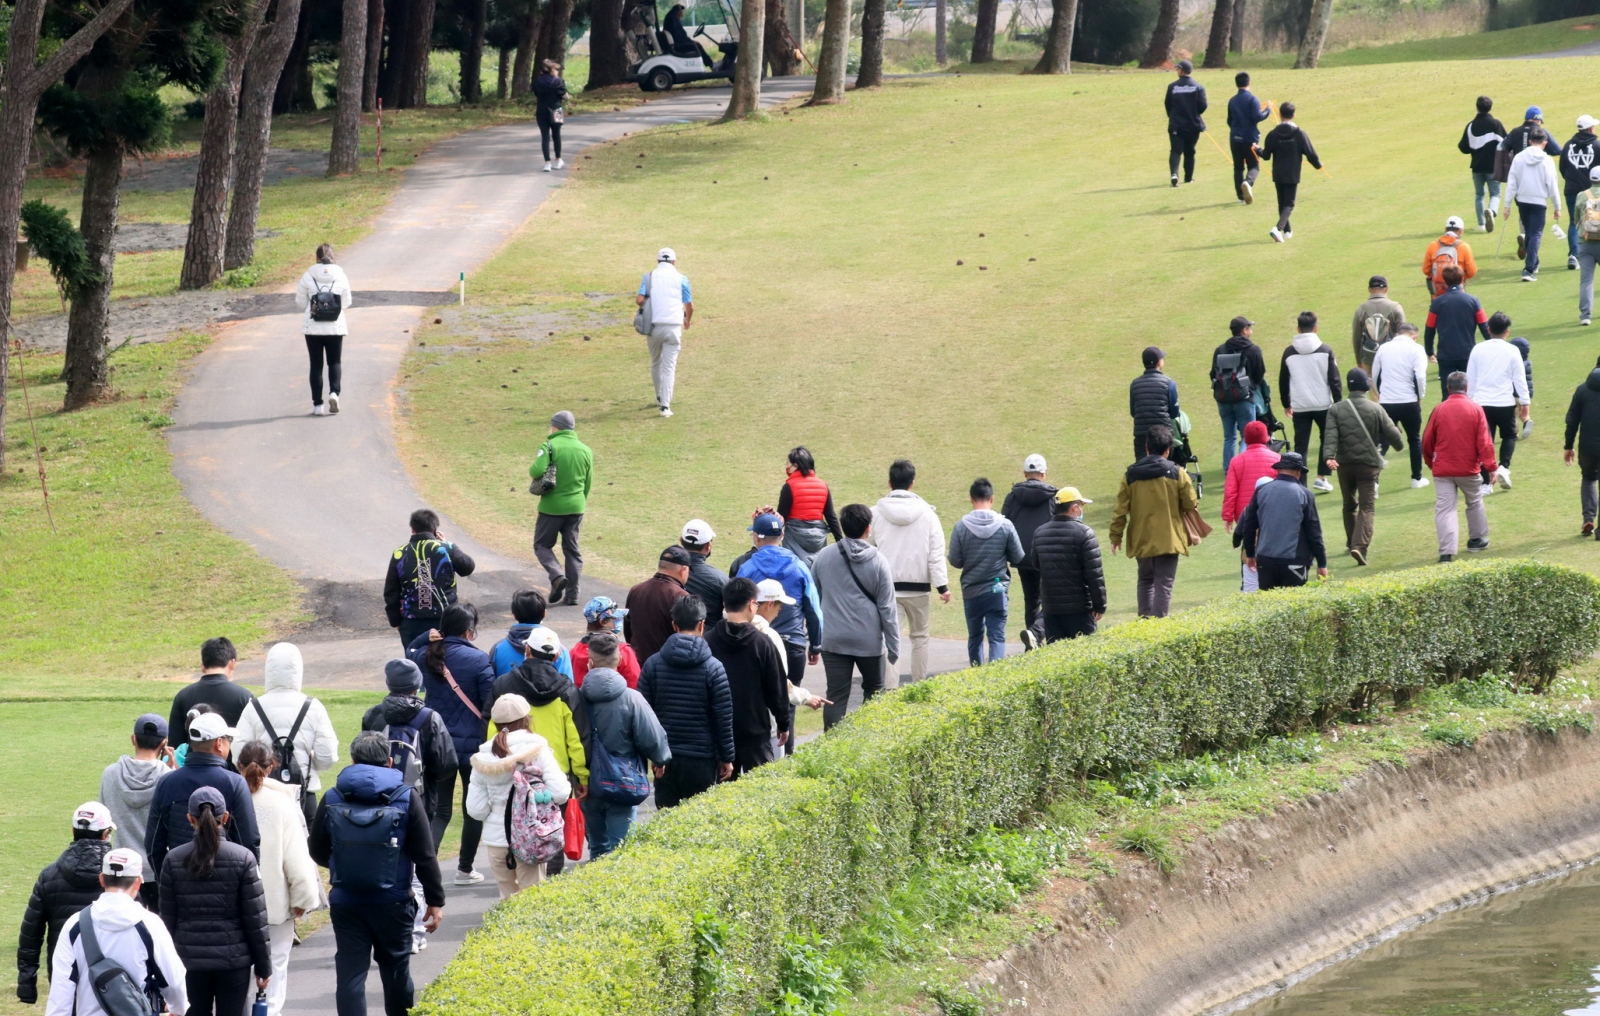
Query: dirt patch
[
  {"x": 142, "y": 237},
  {"x": 469, "y": 325},
  {"x": 177, "y": 172},
  {"x": 1264, "y": 903}
]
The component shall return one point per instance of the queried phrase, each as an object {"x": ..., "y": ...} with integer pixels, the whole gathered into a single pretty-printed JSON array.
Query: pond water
[{"x": 1530, "y": 952}]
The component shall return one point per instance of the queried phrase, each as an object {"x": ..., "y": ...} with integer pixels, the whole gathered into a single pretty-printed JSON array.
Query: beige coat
[{"x": 288, "y": 875}]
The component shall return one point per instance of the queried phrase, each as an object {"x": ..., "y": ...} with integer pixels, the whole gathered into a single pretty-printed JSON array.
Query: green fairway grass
[{"x": 823, "y": 245}]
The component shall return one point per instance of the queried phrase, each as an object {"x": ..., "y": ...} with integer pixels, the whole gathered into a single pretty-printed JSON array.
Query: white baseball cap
[
  {"x": 698, "y": 532},
  {"x": 544, "y": 641},
  {"x": 93, "y": 817},
  {"x": 1454, "y": 222},
  {"x": 209, "y": 727},
  {"x": 122, "y": 863},
  {"x": 1586, "y": 121},
  {"x": 771, "y": 591},
  {"x": 1034, "y": 464},
  {"x": 666, "y": 254}
]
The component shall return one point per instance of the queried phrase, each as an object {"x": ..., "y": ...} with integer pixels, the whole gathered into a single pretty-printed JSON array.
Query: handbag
[
  {"x": 557, "y": 116},
  {"x": 545, "y": 482},
  {"x": 575, "y": 831},
  {"x": 1195, "y": 526}
]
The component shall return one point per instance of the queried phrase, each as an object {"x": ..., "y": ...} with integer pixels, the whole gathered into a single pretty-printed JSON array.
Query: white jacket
[
  {"x": 288, "y": 875},
  {"x": 114, "y": 915},
  {"x": 907, "y": 532},
  {"x": 1400, "y": 371},
  {"x": 1496, "y": 375},
  {"x": 491, "y": 780},
  {"x": 315, "y": 745},
  {"x": 325, "y": 277},
  {"x": 1533, "y": 178}
]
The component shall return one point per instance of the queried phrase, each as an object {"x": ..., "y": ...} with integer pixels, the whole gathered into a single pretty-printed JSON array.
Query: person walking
[
  {"x": 457, "y": 679},
  {"x": 1185, "y": 102},
  {"x": 1281, "y": 532},
  {"x": 1457, "y": 448},
  {"x": 370, "y": 905},
  {"x": 856, "y": 585},
  {"x": 420, "y": 582},
  {"x": 1498, "y": 382},
  {"x": 705, "y": 580},
  {"x": 1308, "y": 386},
  {"x": 1286, "y": 147},
  {"x": 214, "y": 688},
  {"x": 1577, "y": 160},
  {"x": 126, "y": 934},
  {"x": 756, "y": 683},
  {"x": 604, "y": 615},
  {"x": 1480, "y": 139},
  {"x": 562, "y": 504},
  {"x": 1029, "y": 505},
  {"x": 800, "y": 623},
  {"x": 528, "y": 610},
  {"x": 514, "y": 746},
  {"x": 1444, "y": 252},
  {"x": 1583, "y": 429},
  {"x": 289, "y": 881},
  {"x": 1400, "y": 374},
  {"x": 687, "y": 688},
  {"x": 1358, "y": 431},
  {"x": 907, "y": 532},
  {"x": 1376, "y": 322},
  {"x": 647, "y": 624},
  {"x": 984, "y": 546},
  {"x": 1515, "y": 143},
  {"x": 1072, "y": 581},
  {"x": 128, "y": 784},
  {"x": 324, "y": 294},
  {"x": 1154, "y": 494},
  {"x": 1453, "y": 316},
  {"x": 1257, "y": 462},
  {"x": 670, "y": 312},
  {"x": 623, "y": 723},
  {"x": 1532, "y": 187},
  {"x": 1237, "y": 370},
  {"x": 1152, "y": 398},
  {"x": 806, "y": 505},
  {"x": 213, "y": 903},
  {"x": 549, "y": 92},
  {"x": 210, "y": 746},
  {"x": 65, "y": 886},
  {"x": 1585, "y": 226},
  {"x": 1245, "y": 113},
  {"x": 295, "y": 725}
]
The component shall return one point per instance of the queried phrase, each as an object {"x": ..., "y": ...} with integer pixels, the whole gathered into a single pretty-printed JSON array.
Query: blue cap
[
  {"x": 767, "y": 525},
  {"x": 1533, "y": 113},
  {"x": 150, "y": 725}
]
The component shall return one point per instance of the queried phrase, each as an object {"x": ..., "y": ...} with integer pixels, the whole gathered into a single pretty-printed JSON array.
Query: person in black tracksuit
[
  {"x": 1029, "y": 505},
  {"x": 1577, "y": 158},
  {"x": 1481, "y": 140},
  {"x": 1152, "y": 398},
  {"x": 550, "y": 92},
  {"x": 1072, "y": 582},
  {"x": 66, "y": 885},
  {"x": 1284, "y": 147},
  {"x": 1245, "y": 112},
  {"x": 1186, "y": 101}
]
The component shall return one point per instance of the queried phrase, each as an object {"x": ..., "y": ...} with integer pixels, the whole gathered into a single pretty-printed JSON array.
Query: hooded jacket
[
  {"x": 1250, "y": 465},
  {"x": 507, "y": 654},
  {"x": 800, "y": 624},
  {"x": 627, "y": 662},
  {"x": 328, "y": 278},
  {"x": 1583, "y": 416},
  {"x": 66, "y": 885},
  {"x": 1281, "y": 524},
  {"x": 1071, "y": 577},
  {"x": 559, "y": 715},
  {"x": 474, "y": 675},
  {"x": 1456, "y": 441},
  {"x": 1577, "y": 158},
  {"x": 1480, "y": 139},
  {"x": 1532, "y": 179},
  {"x": 648, "y": 622},
  {"x": 1285, "y": 146},
  {"x": 491, "y": 780},
  {"x": 1342, "y": 438},
  {"x": 218, "y": 922},
  {"x": 865, "y": 621},
  {"x": 316, "y": 746},
  {"x": 126, "y": 787},
  {"x": 907, "y": 532},
  {"x": 755, "y": 678},
  {"x": 622, "y": 719},
  {"x": 1453, "y": 316},
  {"x": 1185, "y": 101},
  {"x": 983, "y": 545},
  {"x": 1029, "y": 505},
  {"x": 368, "y": 783},
  {"x": 706, "y": 581},
  {"x": 169, "y": 826},
  {"x": 288, "y": 874},
  {"x": 1255, "y": 363},
  {"x": 688, "y": 691},
  {"x": 115, "y": 917},
  {"x": 1155, "y": 493},
  {"x": 1308, "y": 376},
  {"x": 435, "y": 746}
]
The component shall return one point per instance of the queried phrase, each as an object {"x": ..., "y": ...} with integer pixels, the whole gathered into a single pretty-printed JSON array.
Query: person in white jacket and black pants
[
  {"x": 1533, "y": 186},
  {"x": 288, "y": 874},
  {"x": 1308, "y": 385},
  {"x": 1498, "y": 382},
  {"x": 492, "y": 767},
  {"x": 1400, "y": 375},
  {"x": 907, "y": 532},
  {"x": 324, "y": 333},
  {"x": 284, "y": 711}
]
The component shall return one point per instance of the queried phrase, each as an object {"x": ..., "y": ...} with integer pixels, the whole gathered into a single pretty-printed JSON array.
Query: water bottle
[
  {"x": 998, "y": 588},
  {"x": 260, "y": 1008}
]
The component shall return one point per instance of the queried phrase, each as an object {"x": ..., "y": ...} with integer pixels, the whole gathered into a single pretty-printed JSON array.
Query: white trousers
[
  {"x": 280, "y": 940},
  {"x": 914, "y": 628},
  {"x": 665, "y": 343}
]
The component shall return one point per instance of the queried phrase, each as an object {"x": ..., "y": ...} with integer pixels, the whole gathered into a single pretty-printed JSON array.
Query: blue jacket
[
  {"x": 169, "y": 807},
  {"x": 470, "y": 666},
  {"x": 774, "y": 562},
  {"x": 688, "y": 690},
  {"x": 369, "y": 783},
  {"x": 506, "y": 655},
  {"x": 1281, "y": 524},
  {"x": 1244, "y": 113}
]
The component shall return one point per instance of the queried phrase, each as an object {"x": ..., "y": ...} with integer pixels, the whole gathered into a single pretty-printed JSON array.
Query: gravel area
[{"x": 178, "y": 172}]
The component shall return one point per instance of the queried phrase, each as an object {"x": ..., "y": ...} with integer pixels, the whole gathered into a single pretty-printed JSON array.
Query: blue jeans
[
  {"x": 1479, "y": 182},
  {"x": 1572, "y": 219},
  {"x": 986, "y": 612},
  {"x": 1234, "y": 417},
  {"x": 1532, "y": 219},
  {"x": 606, "y": 823}
]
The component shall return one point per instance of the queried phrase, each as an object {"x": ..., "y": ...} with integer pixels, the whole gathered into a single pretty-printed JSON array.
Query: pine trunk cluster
[
  {"x": 1166, "y": 30},
  {"x": 1217, "y": 41},
  {"x": 89, "y": 320},
  {"x": 608, "y": 52},
  {"x": 779, "y": 44},
  {"x": 344, "y": 157},
  {"x": 1057, "y": 55},
  {"x": 746, "y": 98},
  {"x": 835, "y": 56},
  {"x": 261, "y": 73},
  {"x": 982, "y": 31},
  {"x": 871, "y": 73},
  {"x": 1316, "y": 35}
]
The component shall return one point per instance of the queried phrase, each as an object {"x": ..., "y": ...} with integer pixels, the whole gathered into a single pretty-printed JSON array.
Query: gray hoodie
[
  {"x": 862, "y": 620},
  {"x": 621, "y": 718},
  {"x": 982, "y": 545},
  {"x": 125, "y": 789}
]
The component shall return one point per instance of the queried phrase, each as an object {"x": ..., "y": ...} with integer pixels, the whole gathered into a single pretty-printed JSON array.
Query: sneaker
[
  {"x": 1418, "y": 482},
  {"x": 1288, "y": 234},
  {"x": 1477, "y": 546},
  {"x": 468, "y": 877},
  {"x": 1588, "y": 529},
  {"x": 558, "y": 588},
  {"x": 1029, "y": 640},
  {"x": 1572, "y": 262},
  {"x": 333, "y": 403},
  {"x": 1446, "y": 558},
  {"x": 1174, "y": 179},
  {"x": 665, "y": 412},
  {"x": 1321, "y": 483},
  {"x": 1248, "y": 192},
  {"x": 1584, "y": 322},
  {"x": 547, "y": 167},
  {"x": 1375, "y": 489},
  {"x": 1522, "y": 245},
  {"x": 1276, "y": 236},
  {"x": 561, "y": 163},
  {"x": 1527, "y": 429},
  {"x": 418, "y": 944},
  {"x": 1527, "y": 277},
  {"x": 319, "y": 410},
  {"x": 1502, "y": 476},
  {"x": 1488, "y": 220},
  {"x": 1360, "y": 557}
]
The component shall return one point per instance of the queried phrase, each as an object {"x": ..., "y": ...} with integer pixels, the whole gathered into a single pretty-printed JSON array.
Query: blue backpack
[
  {"x": 616, "y": 780},
  {"x": 366, "y": 841}
]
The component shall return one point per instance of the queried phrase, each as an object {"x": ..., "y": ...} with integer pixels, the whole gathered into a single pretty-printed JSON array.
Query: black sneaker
[
  {"x": 1174, "y": 179},
  {"x": 1476, "y": 546},
  {"x": 1446, "y": 558},
  {"x": 1572, "y": 262},
  {"x": 1029, "y": 640},
  {"x": 558, "y": 586}
]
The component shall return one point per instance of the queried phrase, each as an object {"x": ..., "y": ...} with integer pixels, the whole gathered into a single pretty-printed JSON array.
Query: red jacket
[
  {"x": 1456, "y": 442},
  {"x": 1244, "y": 470},
  {"x": 627, "y": 663},
  {"x": 808, "y": 495}
]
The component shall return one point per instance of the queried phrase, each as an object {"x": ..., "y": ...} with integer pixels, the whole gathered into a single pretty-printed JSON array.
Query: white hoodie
[
  {"x": 288, "y": 875},
  {"x": 315, "y": 745},
  {"x": 114, "y": 915},
  {"x": 491, "y": 780},
  {"x": 907, "y": 532},
  {"x": 1532, "y": 179},
  {"x": 324, "y": 277},
  {"x": 1309, "y": 373}
]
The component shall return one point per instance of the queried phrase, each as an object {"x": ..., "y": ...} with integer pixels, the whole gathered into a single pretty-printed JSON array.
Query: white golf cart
[{"x": 662, "y": 65}]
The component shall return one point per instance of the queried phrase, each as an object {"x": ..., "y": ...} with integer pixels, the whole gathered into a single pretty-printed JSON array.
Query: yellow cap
[{"x": 1067, "y": 495}]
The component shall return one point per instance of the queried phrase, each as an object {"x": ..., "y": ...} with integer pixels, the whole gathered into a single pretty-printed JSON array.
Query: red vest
[{"x": 808, "y": 495}]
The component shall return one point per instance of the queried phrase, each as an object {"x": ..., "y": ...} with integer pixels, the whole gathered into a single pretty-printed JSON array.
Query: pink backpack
[{"x": 535, "y": 832}]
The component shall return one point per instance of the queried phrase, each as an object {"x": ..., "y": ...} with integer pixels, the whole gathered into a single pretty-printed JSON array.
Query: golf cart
[{"x": 661, "y": 65}]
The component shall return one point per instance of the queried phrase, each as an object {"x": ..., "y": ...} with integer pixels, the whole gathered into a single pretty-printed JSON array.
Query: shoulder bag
[
  {"x": 641, "y": 319},
  {"x": 1383, "y": 463},
  {"x": 461, "y": 694},
  {"x": 545, "y": 482}
]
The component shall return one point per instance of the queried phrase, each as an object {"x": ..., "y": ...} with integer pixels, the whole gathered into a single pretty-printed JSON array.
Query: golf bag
[
  {"x": 1184, "y": 455},
  {"x": 1263, "y": 399}
]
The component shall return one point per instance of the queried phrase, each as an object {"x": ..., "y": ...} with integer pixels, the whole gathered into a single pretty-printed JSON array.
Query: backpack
[
  {"x": 287, "y": 769},
  {"x": 1447, "y": 255},
  {"x": 326, "y": 305},
  {"x": 426, "y": 575},
  {"x": 1374, "y": 333},
  {"x": 1232, "y": 382},
  {"x": 1589, "y": 221},
  {"x": 535, "y": 833},
  {"x": 114, "y": 988},
  {"x": 405, "y": 747},
  {"x": 366, "y": 840}
]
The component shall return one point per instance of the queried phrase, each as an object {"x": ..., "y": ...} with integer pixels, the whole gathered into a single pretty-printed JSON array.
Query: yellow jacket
[{"x": 1155, "y": 493}]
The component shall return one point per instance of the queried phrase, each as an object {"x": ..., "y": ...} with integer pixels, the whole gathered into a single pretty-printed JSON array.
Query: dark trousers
[
  {"x": 411, "y": 627},
  {"x": 1246, "y": 167},
  {"x": 225, "y": 992},
  {"x": 1358, "y": 488},
  {"x": 1532, "y": 218},
  {"x": 1067, "y": 626},
  {"x": 548, "y": 130},
  {"x": 1277, "y": 574},
  {"x": 747, "y": 755},
  {"x": 545, "y": 532},
  {"x": 373, "y": 931},
  {"x": 1303, "y": 421},
  {"x": 684, "y": 778},
  {"x": 1032, "y": 612},
  {"x": 1408, "y": 417},
  {"x": 1446, "y": 368},
  {"x": 471, "y": 828},
  {"x": 1286, "y": 195},
  {"x": 796, "y": 656},
  {"x": 841, "y": 672},
  {"x": 1156, "y": 576},
  {"x": 318, "y": 348},
  {"x": 1183, "y": 143},
  {"x": 1588, "y": 496},
  {"x": 1504, "y": 419}
]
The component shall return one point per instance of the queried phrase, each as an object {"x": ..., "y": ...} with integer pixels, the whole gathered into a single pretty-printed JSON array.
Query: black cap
[
  {"x": 1357, "y": 380},
  {"x": 1377, "y": 282},
  {"x": 676, "y": 555},
  {"x": 1184, "y": 67},
  {"x": 1239, "y": 324},
  {"x": 1152, "y": 356}
]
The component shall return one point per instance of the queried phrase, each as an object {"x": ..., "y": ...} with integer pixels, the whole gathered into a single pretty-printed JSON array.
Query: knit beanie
[
  {"x": 1255, "y": 432},
  {"x": 402, "y": 676},
  {"x": 564, "y": 420}
]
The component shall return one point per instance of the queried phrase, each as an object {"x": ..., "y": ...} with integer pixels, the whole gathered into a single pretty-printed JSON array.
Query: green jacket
[
  {"x": 1342, "y": 439},
  {"x": 574, "y": 473}
]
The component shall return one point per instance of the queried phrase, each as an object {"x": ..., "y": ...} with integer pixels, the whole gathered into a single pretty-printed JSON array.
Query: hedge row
[{"x": 803, "y": 845}]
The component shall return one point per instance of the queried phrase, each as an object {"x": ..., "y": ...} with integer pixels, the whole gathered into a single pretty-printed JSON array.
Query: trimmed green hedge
[{"x": 803, "y": 845}]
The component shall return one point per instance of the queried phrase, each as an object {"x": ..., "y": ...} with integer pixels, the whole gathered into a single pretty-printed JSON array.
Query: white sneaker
[
  {"x": 333, "y": 403},
  {"x": 1418, "y": 482},
  {"x": 665, "y": 412},
  {"x": 1488, "y": 220},
  {"x": 547, "y": 167},
  {"x": 1584, "y": 322},
  {"x": 1322, "y": 483},
  {"x": 319, "y": 410},
  {"x": 1288, "y": 235},
  {"x": 1375, "y": 491},
  {"x": 1275, "y": 234},
  {"x": 1249, "y": 192},
  {"x": 561, "y": 164},
  {"x": 468, "y": 877},
  {"x": 1502, "y": 476}
]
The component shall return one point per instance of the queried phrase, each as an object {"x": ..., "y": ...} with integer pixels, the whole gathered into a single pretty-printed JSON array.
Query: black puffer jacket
[
  {"x": 1029, "y": 506},
  {"x": 436, "y": 747},
  {"x": 218, "y": 922},
  {"x": 1071, "y": 580},
  {"x": 1150, "y": 401},
  {"x": 65, "y": 886},
  {"x": 688, "y": 689}
]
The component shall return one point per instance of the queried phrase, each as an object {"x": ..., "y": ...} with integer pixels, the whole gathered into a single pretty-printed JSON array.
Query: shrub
[{"x": 801, "y": 847}]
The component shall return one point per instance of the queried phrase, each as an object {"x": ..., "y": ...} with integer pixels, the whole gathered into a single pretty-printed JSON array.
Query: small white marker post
[{"x": 463, "y": 289}]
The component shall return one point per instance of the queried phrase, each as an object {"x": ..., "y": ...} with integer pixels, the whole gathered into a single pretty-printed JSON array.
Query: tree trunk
[
  {"x": 344, "y": 157},
  {"x": 394, "y": 55},
  {"x": 1236, "y": 30},
  {"x": 778, "y": 44},
  {"x": 871, "y": 73},
  {"x": 472, "y": 55},
  {"x": 418, "y": 46},
  {"x": 553, "y": 39},
  {"x": 1217, "y": 42},
  {"x": 982, "y": 32},
  {"x": 746, "y": 97},
  {"x": 1316, "y": 35},
  {"x": 369, "y": 70},
  {"x": 1057, "y": 55},
  {"x": 90, "y": 318},
  {"x": 527, "y": 45},
  {"x": 835, "y": 55},
  {"x": 287, "y": 96},
  {"x": 267, "y": 57},
  {"x": 505, "y": 70},
  {"x": 941, "y": 45},
  {"x": 1166, "y": 30},
  {"x": 608, "y": 54},
  {"x": 797, "y": 21}
]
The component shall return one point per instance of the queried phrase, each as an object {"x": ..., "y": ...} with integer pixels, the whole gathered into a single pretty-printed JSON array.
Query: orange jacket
[{"x": 1469, "y": 267}]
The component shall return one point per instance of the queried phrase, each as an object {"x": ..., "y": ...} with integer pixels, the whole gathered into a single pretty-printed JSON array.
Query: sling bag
[
  {"x": 461, "y": 694},
  {"x": 114, "y": 987},
  {"x": 1383, "y": 463}
]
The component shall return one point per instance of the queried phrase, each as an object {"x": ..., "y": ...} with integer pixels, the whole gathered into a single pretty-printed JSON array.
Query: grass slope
[{"x": 831, "y": 309}]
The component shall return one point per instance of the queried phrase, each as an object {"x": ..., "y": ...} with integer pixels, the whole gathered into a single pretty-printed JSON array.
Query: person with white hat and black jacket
[
  {"x": 1072, "y": 578},
  {"x": 1577, "y": 159},
  {"x": 1029, "y": 505},
  {"x": 705, "y": 579},
  {"x": 65, "y": 886},
  {"x": 668, "y": 306}
]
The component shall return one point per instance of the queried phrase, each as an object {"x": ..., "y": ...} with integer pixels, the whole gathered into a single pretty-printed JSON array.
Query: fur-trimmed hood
[{"x": 525, "y": 745}]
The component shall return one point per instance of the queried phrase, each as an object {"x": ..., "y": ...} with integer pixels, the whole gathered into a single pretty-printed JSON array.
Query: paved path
[{"x": 1587, "y": 49}]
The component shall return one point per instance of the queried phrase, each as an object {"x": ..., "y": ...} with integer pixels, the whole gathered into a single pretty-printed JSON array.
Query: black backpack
[
  {"x": 405, "y": 747},
  {"x": 287, "y": 769},
  {"x": 1231, "y": 384},
  {"x": 366, "y": 840},
  {"x": 117, "y": 991},
  {"x": 326, "y": 305}
]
